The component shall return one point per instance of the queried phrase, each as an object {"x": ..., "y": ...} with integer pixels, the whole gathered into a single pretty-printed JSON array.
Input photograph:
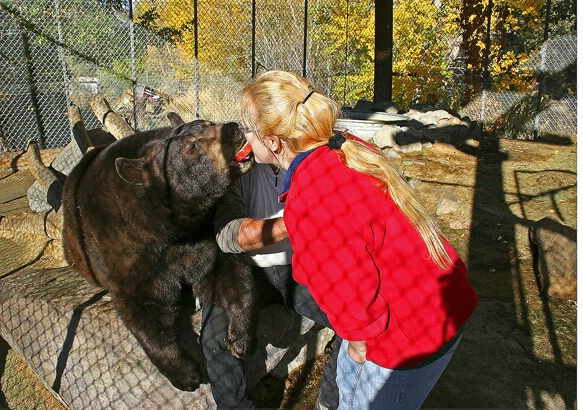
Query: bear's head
[{"x": 191, "y": 167}]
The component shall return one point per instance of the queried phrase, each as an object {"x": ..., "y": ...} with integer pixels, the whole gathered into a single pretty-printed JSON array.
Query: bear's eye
[{"x": 192, "y": 147}]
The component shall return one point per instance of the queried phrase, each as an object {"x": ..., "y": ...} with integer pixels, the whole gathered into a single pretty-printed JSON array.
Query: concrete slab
[{"x": 69, "y": 335}]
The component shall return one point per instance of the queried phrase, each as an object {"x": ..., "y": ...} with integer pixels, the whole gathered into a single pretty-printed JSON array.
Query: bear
[{"x": 138, "y": 222}]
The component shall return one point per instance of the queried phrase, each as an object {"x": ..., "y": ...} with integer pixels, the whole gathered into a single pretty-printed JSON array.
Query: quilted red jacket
[{"x": 366, "y": 265}]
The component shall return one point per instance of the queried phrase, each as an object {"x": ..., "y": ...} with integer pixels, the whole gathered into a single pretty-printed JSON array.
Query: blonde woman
[{"x": 372, "y": 257}]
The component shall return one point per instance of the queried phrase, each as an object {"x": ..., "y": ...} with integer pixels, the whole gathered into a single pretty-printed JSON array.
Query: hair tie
[
  {"x": 336, "y": 141},
  {"x": 308, "y": 96}
]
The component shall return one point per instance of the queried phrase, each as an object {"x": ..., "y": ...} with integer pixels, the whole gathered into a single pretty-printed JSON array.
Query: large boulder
[{"x": 554, "y": 248}]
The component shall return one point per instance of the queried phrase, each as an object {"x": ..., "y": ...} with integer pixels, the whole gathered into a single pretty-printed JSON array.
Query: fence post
[
  {"x": 345, "y": 54},
  {"x": 383, "y": 56},
  {"x": 32, "y": 84},
  {"x": 62, "y": 53},
  {"x": 486, "y": 62},
  {"x": 196, "y": 67},
  {"x": 133, "y": 60},
  {"x": 305, "y": 61},
  {"x": 253, "y": 28},
  {"x": 542, "y": 70}
]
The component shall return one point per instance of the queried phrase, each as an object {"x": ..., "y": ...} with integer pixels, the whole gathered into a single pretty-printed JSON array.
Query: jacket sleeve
[{"x": 337, "y": 266}]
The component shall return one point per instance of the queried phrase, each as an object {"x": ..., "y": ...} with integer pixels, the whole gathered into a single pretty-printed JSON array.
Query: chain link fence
[{"x": 510, "y": 64}]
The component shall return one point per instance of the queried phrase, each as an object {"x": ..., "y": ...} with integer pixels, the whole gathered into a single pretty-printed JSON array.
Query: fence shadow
[
  {"x": 500, "y": 351},
  {"x": 4, "y": 348}
]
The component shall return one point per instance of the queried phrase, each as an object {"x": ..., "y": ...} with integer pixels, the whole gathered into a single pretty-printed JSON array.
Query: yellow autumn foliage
[{"x": 426, "y": 35}]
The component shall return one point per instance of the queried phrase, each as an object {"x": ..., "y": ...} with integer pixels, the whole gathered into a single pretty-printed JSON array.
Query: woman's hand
[{"x": 357, "y": 351}]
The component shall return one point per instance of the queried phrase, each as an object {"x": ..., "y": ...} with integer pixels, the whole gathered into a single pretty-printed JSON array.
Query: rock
[
  {"x": 458, "y": 225},
  {"x": 408, "y": 144},
  {"x": 448, "y": 203},
  {"x": 412, "y": 132},
  {"x": 476, "y": 129},
  {"x": 393, "y": 153},
  {"x": 388, "y": 107},
  {"x": 431, "y": 117},
  {"x": 554, "y": 248},
  {"x": 363, "y": 105},
  {"x": 385, "y": 137},
  {"x": 420, "y": 108},
  {"x": 69, "y": 335},
  {"x": 382, "y": 123},
  {"x": 463, "y": 131},
  {"x": 436, "y": 135}
]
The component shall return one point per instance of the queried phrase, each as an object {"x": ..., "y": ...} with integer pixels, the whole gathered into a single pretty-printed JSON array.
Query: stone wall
[{"x": 397, "y": 131}]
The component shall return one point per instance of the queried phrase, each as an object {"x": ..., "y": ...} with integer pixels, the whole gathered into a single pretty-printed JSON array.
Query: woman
[{"x": 373, "y": 258}]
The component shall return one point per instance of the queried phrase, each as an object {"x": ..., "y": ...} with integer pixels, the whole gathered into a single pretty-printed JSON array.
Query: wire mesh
[{"x": 193, "y": 57}]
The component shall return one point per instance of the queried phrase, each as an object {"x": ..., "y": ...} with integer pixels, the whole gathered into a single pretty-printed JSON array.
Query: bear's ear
[
  {"x": 175, "y": 119},
  {"x": 133, "y": 171}
]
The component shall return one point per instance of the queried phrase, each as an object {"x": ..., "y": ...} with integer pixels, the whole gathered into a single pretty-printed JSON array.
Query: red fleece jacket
[{"x": 366, "y": 265}]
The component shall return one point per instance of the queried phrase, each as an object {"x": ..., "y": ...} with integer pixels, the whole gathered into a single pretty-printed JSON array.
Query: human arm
[
  {"x": 247, "y": 218},
  {"x": 257, "y": 233},
  {"x": 229, "y": 215}
]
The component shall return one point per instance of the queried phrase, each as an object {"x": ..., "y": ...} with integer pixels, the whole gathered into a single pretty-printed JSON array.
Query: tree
[
  {"x": 423, "y": 38},
  {"x": 223, "y": 39},
  {"x": 347, "y": 31}
]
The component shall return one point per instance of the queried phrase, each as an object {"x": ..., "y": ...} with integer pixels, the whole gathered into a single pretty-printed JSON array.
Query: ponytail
[{"x": 284, "y": 104}]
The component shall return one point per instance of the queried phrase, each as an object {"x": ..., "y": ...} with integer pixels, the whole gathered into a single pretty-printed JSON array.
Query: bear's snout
[
  {"x": 233, "y": 131},
  {"x": 234, "y": 135}
]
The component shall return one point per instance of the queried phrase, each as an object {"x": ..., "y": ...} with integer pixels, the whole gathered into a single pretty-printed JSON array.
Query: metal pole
[
  {"x": 383, "y": 57},
  {"x": 62, "y": 53},
  {"x": 345, "y": 55},
  {"x": 32, "y": 84},
  {"x": 305, "y": 62},
  {"x": 133, "y": 58},
  {"x": 542, "y": 70},
  {"x": 196, "y": 67},
  {"x": 486, "y": 63},
  {"x": 253, "y": 16}
]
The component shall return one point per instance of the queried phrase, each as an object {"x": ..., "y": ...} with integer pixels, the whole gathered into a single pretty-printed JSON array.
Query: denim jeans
[
  {"x": 227, "y": 373},
  {"x": 370, "y": 386}
]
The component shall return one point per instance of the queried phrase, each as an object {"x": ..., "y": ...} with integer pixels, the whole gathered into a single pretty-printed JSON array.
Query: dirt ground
[{"x": 519, "y": 349}]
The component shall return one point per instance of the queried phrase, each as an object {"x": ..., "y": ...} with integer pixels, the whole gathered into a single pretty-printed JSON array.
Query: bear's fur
[{"x": 138, "y": 222}]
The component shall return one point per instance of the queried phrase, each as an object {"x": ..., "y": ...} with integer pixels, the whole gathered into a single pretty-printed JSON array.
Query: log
[
  {"x": 78, "y": 129},
  {"x": 49, "y": 223},
  {"x": 47, "y": 179},
  {"x": 111, "y": 120}
]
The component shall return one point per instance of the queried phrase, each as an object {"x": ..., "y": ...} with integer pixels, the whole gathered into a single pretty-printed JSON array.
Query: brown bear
[{"x": 138, "y": 222}]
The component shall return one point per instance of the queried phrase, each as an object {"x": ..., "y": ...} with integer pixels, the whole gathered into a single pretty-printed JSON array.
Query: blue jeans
[{"x": 370, "y": 386}]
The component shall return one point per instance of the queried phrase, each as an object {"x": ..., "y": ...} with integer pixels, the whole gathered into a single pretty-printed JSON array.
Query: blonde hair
[{"x": 279, "y": 103}]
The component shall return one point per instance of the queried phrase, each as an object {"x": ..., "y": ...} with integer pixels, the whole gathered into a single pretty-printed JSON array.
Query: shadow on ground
[{"x": 519, "y": 348}]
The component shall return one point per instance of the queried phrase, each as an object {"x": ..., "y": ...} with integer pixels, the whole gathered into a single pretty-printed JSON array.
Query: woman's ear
[{"x": 273, "y": 143}]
